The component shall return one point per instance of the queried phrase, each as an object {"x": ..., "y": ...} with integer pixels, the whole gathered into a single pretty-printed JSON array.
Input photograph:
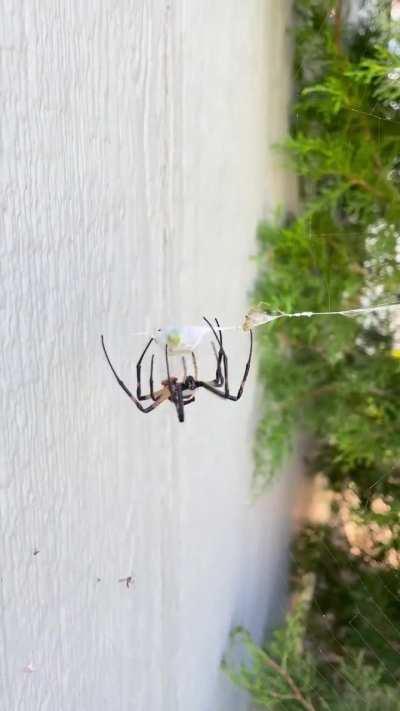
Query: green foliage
[
  {"x": 355, "y": 609},
  {"x": 336, "y": 377},
  {"x": 282, "y": 672},
  {"x": 286, "y": 675}
]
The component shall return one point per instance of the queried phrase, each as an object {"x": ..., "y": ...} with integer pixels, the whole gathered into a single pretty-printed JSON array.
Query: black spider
[{"x": 180, "y": 392}]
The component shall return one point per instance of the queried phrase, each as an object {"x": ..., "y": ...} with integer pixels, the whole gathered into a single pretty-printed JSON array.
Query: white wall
[{"x": 135, "y": 170}]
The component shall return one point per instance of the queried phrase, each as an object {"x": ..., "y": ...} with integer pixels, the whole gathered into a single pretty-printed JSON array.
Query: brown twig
[
  {"x": 338, "y": 25},
  {"x": 361, "y": 183},
  {"x": 295, "y": 690}
]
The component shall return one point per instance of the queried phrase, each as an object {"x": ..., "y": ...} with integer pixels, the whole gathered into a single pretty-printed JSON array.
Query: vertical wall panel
[{"x": 134, "y": 171}]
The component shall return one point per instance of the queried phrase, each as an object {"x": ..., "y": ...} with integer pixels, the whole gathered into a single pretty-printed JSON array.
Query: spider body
[{"x": 180, "y": 392}]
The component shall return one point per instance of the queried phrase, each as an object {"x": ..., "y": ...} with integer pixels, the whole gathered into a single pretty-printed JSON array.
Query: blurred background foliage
[
  {"x": 336, "y": 378},
  {"x": 340, "y": 377}
]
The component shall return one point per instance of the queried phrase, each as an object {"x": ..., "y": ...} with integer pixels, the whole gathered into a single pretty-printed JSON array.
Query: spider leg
[
  {"x": 153, "y": 395},
  {"x": 151, "y": 377},
  {"x": 218, "y": 338},
  {"x": 219, "y": 331},
  {"x": 188, "y": 400},
  {"x": 126, "y": 390},
  {"x": 246, "y": 372},
  {"x": 180, "y": 404},
  {"x": 138, "y": 373},
  {"x": 226, "y": 394},
  {"x": 218, "y": 376},
  {"x": 219, "y": 379},
  {"x": 170, "y": 385},
  {"x": 196, "y": 372},
  {"x": 184, "y": 368},
  {"x": 210, "y": 387},
  {"x": 168, "y": 371},
  {"x": 175, "y": 390}
]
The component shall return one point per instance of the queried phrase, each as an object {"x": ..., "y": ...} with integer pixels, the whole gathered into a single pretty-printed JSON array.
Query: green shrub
[
  {"x": 284, "y": 675},
  {"x": 336, "y": 378}
]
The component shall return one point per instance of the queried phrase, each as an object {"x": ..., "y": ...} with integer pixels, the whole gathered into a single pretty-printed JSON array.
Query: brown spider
[{"x": 180, "y": 392}]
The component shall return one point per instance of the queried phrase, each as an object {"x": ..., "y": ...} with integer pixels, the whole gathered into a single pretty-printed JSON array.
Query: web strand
[{"x": 257, "y": 317}]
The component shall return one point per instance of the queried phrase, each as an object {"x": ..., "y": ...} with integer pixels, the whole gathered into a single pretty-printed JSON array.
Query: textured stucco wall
[{"x": 134, "y": 172}]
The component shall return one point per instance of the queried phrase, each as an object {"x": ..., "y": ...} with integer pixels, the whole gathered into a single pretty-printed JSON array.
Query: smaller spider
[
  {"x": 128, "y": 581},
  {"x": 180, "y": 393}
]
